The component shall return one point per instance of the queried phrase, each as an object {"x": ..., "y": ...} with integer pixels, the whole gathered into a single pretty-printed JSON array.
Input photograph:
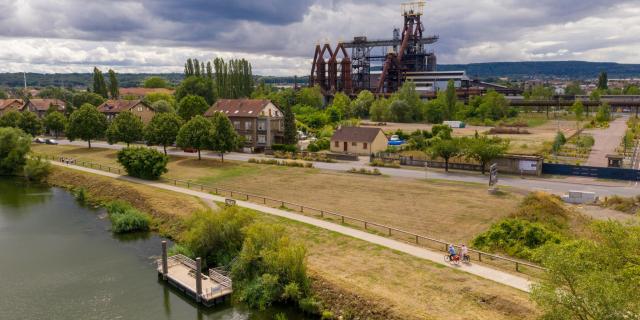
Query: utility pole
[{"x": 24, "y": 75}]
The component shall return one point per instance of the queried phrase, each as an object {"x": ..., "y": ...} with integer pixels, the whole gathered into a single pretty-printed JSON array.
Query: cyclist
[
  {"x": 452, "y": 252},
  {"x": 464, "y": 252}
]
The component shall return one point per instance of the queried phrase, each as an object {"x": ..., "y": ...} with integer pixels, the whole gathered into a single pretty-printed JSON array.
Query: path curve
[{"x": 498, "y": 276}]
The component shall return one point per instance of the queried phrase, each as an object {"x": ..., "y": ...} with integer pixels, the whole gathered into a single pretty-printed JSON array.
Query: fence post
[
  {"x": 188, "y": 185},
  {"x": 175, "y": 182},
  {"x": 301, "y": 209},
  {"x": 321, "y": 214},
  {"x": 446, "y": 247},
  {"x": 264, "y": 200},
  {"x": 389, "y": 232},
  {"x": 416, "y": 239},
  {"x": 480, "y": 256},
  {"x": 282, "y": 204},
  {"x": 365, "y": 225},
  {"x": 247, "y": 197},
  {"x": 201, "y": 188},
  {"x": 517, "y": 265},
  {"x": 342, "y": 219}
]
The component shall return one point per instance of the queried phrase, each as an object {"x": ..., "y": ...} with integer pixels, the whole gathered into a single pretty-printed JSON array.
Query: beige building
[
  {"x": 111, "y": 108},
  {"x": 358, "y": 140},
  {"x": 8, "y": 105},
  {"x": 41, "y": 106},
  {"x": 259, "y": 121}
]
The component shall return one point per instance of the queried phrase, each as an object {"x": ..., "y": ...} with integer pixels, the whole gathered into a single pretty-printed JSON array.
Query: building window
[
  {"x": 336, "y": 144},
  {"x": 247, "y": 125},
  {"x": 248, "y": 138},
  {"x": 140, "y": 109},
  {"x": 354, "y": 144},
  {"x": 364, "y": 146},
  {"x": 236, "y": 125},
  {"x": 262, "y": 125},
  {"x": 262, "y": 138}
]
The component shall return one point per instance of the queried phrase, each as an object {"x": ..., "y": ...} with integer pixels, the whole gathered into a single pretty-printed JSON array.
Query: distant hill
[{"x": 546, "y": 69}]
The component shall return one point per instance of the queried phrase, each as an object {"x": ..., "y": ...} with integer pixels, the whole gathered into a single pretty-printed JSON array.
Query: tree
[
  {"x": 114, "y": 88},
  {"x": 578, "y": 111},
  {"x": 434, "y": 111},
  {"x": 540, "y": 92},
  {"x": 87, "y": 97},
  {"x": 628, "y": 140},
  {"x": 224, "y": 137},
  {"x": 125, "y": 127},
  {"x": 3, "y": 94},
  {"x": 232, "y": 80},
  {"x": 14, "y": 147},
  {"x": 196, "y": 86},
  {"x": 484, "y": 150},
  {"x": 153, "y": 97},
  {"x": 155, "y": 82},
  {"x": 55, "y": 122},
  {"x": 30, "y": 123},
  {"x": 596, "y": 278},
  {"x": 604, "y": 113},
  {"x": 86, "y": 123},
  {"x": 342, "y": 103},
  {"x": 362, "y": 104},
  {"x": 451, "y": 101},
  {"x": 603, "y": 81},
  {"x": 196, "y": 134},
  {"x": 142, "y": 162},
  {"x": 445, "y": 149},
  {"x": 558, "y": 142},
  {"x": 290, "y": 129},
  {"x": 573, "y": 89},
  {"x": 310, "y": 97},
  {"x": 191, "y": 106},
  {"x": 400, "y": 111},
  {"x": 632, "y": 90},
  {"x": 99, "y": 85},
  {"x": 11, "y": 119},
  {"x": 408, "y": 93},
  {"x": 162, "y": 106},
  {"x": 379, "y": 110},
  {"x": 163, "y": 129}
]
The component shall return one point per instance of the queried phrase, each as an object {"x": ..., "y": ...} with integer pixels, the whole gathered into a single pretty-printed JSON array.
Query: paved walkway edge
[{"x": 498, "y": 276}]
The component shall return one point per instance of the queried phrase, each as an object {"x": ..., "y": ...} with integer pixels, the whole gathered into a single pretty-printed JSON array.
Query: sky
[{"x": 278, "y": 36}]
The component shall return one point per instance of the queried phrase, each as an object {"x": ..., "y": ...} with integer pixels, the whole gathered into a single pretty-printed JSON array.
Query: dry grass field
[
  {"x": 410, "y": 287},
  {"x": 451, "y": 211}
]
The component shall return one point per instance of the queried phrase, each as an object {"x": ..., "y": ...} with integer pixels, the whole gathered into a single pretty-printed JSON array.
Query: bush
[
  {"x": 80, "y": 194},
  {"x": 217, "y": 237},
  {"x": 36, "y": 169},
  {"x": 14, "y": 146},
  {"x": 320, "y": 144},
  {"x": 508, "y": 130},
  {"x": 374, "y": 172},
  {"x": 125, "y": 218},
  {"x": 516, "y": 237},
  {"x": 310, "y": 305},
  {"x": 381, "y": 163},
  {"x": 141, "y": 162},
  {"x": 284, "y": 147},
  {"x": 281, "y": 163}
]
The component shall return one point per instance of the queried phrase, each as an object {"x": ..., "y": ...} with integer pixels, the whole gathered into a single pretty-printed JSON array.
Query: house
[
  {"x": 7, "y": 105},
  {"x": 140, "y": 93},
  {"x": 111, "y": 108},
  {"x": 358, "y": 140},
  {"x": 260, "y": 122},
  {"x": 41, "y": 106}
]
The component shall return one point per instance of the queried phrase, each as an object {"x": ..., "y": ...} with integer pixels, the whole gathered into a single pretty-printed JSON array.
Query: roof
[
  {"x": 357, "y": 134},
  {"x": 238, "y": 107},
  {"x": 115, "y": 106},
  {"x": 143, "y": 91},
  {"x": 6, "y": 102},
  {"x": 44, "y": 104}
]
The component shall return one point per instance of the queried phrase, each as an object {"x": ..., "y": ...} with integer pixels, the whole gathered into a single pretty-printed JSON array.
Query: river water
[{"x": 60, "y": 261}]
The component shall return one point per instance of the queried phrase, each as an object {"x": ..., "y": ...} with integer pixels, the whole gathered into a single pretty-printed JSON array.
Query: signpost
[{"x": 493, "y": 178}]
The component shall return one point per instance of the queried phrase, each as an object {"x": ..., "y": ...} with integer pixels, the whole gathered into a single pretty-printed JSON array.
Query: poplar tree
[
  {"x": 99, "y": 85},
  {"x": 114, "y": 90}
]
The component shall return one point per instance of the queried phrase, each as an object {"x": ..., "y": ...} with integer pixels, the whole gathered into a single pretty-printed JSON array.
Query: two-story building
[
  {"x": 41, "y": 106},
  {"x": 8, "y": 105},
  {"x": 111, "y": 108},
  {"x": 260, "y": 122}
]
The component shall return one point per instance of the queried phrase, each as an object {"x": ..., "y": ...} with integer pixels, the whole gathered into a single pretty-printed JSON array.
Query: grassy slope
[
  {"x": 446, "y": 210},
  {"x": 409, "y": 287}
]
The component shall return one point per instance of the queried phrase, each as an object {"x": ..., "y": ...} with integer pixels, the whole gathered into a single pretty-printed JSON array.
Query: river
[{"x": 60, "y": 261}]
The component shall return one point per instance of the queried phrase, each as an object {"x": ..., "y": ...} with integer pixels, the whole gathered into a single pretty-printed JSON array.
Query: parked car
[
  {"x": 51, "y": 141},
  {"x": 190, "y": 150},
  {"x": 395, "y": 141},
  {"x": 301, "y": 135},
  {"x": 39, "y": 140}
]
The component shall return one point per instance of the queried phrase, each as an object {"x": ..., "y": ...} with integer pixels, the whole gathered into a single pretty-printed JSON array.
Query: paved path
[
  {"x": 606, "y": 142},
  {"x": 437, "y": 257},
  {"x": 557, "y": 186}
]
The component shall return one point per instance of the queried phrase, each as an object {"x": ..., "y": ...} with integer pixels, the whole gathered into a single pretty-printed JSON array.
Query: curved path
[{"x": 502, "y": 277}]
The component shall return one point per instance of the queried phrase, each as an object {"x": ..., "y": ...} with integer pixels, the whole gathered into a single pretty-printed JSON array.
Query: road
[
  {"x": 606, "y": 142},
  {"x": 557, "y": 186},
  {"x": 498, "y": 276}
]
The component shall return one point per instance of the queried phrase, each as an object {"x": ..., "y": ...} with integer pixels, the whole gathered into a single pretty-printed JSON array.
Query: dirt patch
[{"x": 166, "y": 208}]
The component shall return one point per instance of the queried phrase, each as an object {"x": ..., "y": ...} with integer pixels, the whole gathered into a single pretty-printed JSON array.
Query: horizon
[{"x": 156, "y": 36}]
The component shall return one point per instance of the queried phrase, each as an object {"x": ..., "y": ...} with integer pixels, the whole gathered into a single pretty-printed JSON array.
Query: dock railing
[{"x": 370, "y": 226}]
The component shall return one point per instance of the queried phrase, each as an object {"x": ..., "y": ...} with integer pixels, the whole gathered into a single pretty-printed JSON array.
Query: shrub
[
  {"x": 281, "y": 163},
  {"x": 36, "y": 169},
  {"x": 310, "y": 305},
  {"x": 508, "y": 130},
  {"x": 374, "y": 172},
  {"x": 125, "y": 218},
  {"x": 516, "y": 237},
  {"x": 544, "y": 208},
  {"x": 320, "y": 144},
  {"x": 80, "y": 194},
  {"x": 14, "y": 146},
  {"x": 327, "y": 315},
  {"x": 381, "y": 163},
  {"x": 628, "y": 205},
  {"x": 284, "y": 147},
  {"x": 141, "y": 162}
]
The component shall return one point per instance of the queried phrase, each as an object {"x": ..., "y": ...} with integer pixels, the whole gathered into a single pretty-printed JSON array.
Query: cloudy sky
[{"x": 278, "y": 36}]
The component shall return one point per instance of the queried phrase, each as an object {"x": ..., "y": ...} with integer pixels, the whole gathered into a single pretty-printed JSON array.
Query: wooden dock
[{"x": 184, "y": 274}]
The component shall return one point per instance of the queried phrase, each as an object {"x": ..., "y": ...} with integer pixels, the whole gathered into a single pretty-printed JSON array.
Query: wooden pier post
[
  {"x": 165, "y": 264},
  {"x": 198, "y": 279}
]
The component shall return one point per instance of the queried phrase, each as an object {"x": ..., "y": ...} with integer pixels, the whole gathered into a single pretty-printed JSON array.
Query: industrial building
[{"x": 381, "y": 66}]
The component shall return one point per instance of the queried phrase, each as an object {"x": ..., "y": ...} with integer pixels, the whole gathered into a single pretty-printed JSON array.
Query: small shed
[
  {"x": 358, "y": 140},
  {"x": 614, "y": 160}
]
